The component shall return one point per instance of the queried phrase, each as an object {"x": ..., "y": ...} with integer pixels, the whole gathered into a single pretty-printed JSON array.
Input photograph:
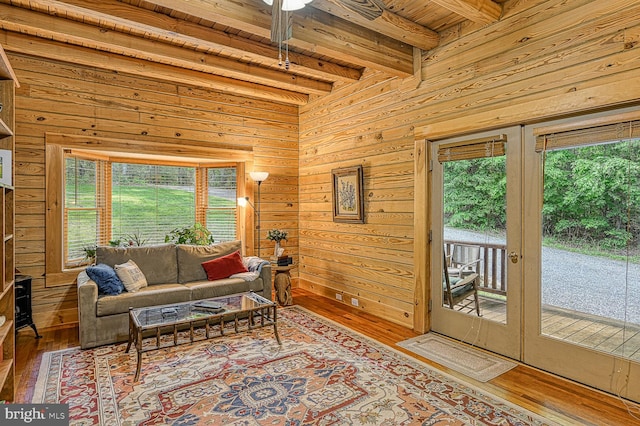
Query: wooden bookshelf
[{"x": 8, "y": 84}]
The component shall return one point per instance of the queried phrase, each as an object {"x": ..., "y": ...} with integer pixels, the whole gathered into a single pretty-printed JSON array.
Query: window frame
[
  {"x": 109, "y": 195},
  {"x": 115, "y": 150},
  {"x": 103, "y": 203}
]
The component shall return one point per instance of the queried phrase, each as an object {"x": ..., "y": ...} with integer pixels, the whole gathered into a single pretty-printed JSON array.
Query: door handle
[{"x": 514, "y": 257}]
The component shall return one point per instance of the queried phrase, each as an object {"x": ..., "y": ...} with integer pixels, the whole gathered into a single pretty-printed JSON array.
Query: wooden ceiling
[{"x": 225, "y": 44}]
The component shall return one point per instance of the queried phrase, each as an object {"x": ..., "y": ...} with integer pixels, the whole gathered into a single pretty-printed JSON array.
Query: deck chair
[
  {"x": 456, "y": 290},
  {"x": 463, "y": 261}
]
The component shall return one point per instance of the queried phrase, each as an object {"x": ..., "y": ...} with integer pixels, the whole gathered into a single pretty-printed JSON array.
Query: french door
[
  {"x": 555, "y": 210},
  {"x": 476, "y": 185},
  {"x": 582, "y": 303}
]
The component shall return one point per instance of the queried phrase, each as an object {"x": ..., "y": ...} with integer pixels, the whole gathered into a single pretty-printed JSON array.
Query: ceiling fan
[{"x": 281, "y": 24}]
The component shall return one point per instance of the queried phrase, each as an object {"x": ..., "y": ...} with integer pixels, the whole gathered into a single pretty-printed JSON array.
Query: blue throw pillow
[{"x": 106, "y": 278}]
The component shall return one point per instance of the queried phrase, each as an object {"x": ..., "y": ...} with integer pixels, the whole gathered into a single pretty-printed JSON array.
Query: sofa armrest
[
  {"x": 87, "y": 288},
  {"x": 87, "y": 309},
  {"x": 265, "y": 274}
]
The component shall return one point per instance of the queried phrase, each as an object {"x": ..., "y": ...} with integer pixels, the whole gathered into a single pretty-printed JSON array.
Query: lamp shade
[
  {"x": 289, "y": 5},
  {"x": 259, "y": 176}
]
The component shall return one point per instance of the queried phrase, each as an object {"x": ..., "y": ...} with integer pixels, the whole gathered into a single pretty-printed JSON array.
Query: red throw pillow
[{"x": 224, "y": 267}]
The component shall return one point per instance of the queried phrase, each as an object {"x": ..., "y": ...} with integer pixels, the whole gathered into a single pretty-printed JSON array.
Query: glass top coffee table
[{"x": 245, "y": 310}]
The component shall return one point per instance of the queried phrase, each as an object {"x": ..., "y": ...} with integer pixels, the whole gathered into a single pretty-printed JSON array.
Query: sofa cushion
[
  {"x": 224, "y": 287},
  {"x": 224, "y": 266},
  {"x": 131, "y": 276},
  {"x": 158, "y": 263},
  {"x": 190, "y": 259},
  {"x": 159, "y": 294},
  {"x": 106, "y": 279}
]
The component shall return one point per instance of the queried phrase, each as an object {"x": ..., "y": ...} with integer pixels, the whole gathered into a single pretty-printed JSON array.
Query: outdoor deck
[
  {"x": 588, "y": 330},
  {"x": 602, "y": 334}
]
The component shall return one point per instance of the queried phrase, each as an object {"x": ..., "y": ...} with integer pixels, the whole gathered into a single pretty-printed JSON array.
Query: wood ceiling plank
[
  {"x": 479, "y": 11},
  {"x": 313, "y": 30},
  {"x": 24, "y": 44},
  {"x": 161, "y": 27},
  {"x": 362, "y": 46},
  {"x": 372, "y": 14},
  {"x": 79, "y": 34}
]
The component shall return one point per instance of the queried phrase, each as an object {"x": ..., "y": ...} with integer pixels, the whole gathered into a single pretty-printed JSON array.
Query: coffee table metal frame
[{"x": 171, "y": 317}]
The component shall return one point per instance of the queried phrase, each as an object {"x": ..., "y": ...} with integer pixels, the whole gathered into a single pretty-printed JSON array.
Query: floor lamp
[{"x": 258, "y": 177}]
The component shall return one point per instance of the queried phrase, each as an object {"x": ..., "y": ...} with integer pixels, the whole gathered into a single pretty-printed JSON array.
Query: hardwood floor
[
  {"x": 591, "y": 331},
  {"x": 565, "y": 402}
]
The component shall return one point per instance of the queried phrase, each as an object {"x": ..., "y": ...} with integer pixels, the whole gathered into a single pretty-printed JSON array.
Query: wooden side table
[{"x": 282, "y": 283}]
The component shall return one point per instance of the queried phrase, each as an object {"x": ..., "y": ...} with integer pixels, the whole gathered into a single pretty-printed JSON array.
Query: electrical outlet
[
  {"x": 354, "y": 301},
  {"x": 338, "y": 296}
]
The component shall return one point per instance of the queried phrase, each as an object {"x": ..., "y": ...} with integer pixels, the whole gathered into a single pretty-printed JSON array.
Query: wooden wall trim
[
  {"x": 610, "y": 95},
  {"x": 54, "y": 174},
  {"x": 422, "y": 224},
  {"x": 95, "y": 143}
]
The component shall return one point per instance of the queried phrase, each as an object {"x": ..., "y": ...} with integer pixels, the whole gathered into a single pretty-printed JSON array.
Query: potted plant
[
  {"x": 90, "y": 254},
  {"x": 277, "y": 235},
  {"x": 197, "y": 234}
]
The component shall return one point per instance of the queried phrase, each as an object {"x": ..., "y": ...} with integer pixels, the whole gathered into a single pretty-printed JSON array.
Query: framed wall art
[
  {"x": 348, "y": 198},
  {"x": 6, "y": 176}
]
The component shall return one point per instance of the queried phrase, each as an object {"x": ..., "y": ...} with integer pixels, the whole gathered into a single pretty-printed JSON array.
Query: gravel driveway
[{"x": 589, "y": 284}]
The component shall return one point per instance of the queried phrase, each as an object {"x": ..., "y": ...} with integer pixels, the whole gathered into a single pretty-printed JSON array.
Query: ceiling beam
[
  {"x": 53, "y": 28},
  {"x": 157, "y": 26},
  {"x": 373, "y": 14},
  {"x": 24, "y": 44},
  {"x": 480, "y": 11},
  {"x": 313, "y": 30}
]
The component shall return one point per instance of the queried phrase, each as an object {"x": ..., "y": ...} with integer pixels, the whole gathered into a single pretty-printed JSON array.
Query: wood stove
[{"x": 24, "y": 316}]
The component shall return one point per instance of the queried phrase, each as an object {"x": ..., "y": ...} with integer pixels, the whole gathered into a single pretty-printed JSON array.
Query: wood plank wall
[
  {"x": 543, "y": 59},
  {"x": 77, "y": 100}
]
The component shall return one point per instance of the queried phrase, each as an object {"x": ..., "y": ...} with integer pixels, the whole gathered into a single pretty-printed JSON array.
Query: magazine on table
[{"x": 209, "y": 306}]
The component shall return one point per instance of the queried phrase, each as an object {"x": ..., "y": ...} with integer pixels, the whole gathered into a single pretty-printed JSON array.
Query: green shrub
[{"x": 196, "y": 234}]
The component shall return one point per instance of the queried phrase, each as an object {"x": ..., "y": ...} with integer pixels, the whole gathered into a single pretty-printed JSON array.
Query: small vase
[{"x": 277, "y": 251}]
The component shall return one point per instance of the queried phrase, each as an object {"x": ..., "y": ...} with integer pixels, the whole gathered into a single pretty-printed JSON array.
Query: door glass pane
[
  {"x": 474, "y": 214},
  {"x": 591, "y": 247}
]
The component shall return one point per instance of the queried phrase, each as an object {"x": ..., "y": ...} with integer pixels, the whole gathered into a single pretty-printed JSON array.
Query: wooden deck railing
[{"x": 493, "y": 276}]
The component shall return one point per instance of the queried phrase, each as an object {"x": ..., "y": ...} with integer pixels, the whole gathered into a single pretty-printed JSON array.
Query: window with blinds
[
  {"x": 148, "y": 201},
  {"x": 221, "y": 211},
  {"x": 591, "y": 177},
  {"x": 122, "y": 203},
  {"x": 84, "y": 207},
  {"x": 474, "y": 183}
]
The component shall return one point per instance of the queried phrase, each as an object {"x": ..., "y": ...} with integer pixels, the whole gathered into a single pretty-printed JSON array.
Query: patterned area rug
[
  {"x": 475, "y": 363},
  {"x": 322, "y": 374}
]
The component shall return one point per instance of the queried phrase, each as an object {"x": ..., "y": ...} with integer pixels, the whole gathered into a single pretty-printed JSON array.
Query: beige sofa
[{"x": 174, "y": 274}]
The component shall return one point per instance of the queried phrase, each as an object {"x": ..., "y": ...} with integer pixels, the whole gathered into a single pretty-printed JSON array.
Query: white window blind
[
  {"x": 139, "y": 204},
  {"x": 84, "y": 207},
  {"x": 221, "y": 203},
  {"x": 148, "y": 201}
]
